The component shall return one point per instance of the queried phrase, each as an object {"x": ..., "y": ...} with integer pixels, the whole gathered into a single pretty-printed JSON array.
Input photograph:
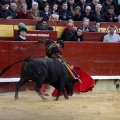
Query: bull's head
[{"x": 70, "y": 85}]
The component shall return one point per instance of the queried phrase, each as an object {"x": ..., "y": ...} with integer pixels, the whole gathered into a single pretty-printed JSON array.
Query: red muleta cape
[{"x": 87, "y": 82}]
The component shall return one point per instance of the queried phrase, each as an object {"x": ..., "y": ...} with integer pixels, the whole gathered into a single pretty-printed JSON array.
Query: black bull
[{"x": 45, "y": 71}]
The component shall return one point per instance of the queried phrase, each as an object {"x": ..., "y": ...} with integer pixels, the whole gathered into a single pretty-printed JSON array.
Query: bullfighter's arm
[{"x": 61, "y": 57}]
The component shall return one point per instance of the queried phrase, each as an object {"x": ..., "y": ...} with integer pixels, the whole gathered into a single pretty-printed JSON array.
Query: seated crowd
[
  {"x": 94, "y": 10},
  {"x": 71, "y": 34},
  {"x": 65, "y": 10}
]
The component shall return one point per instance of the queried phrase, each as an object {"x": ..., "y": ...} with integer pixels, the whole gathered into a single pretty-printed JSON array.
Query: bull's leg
[
  {"x": 37, "y": 89},
  {"x": 59, "y": 93},
  {"x": 60, "y": 89},
  {"x": 19, "y": 84},
  {"x": 65, "y": 94}
]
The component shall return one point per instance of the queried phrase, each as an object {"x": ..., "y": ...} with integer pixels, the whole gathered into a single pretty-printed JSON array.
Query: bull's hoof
[
  {"x": 56, "y": 99},
  {"x": 66, "y": 97},
  {"x": 43, "y": 98},
  {"x": 46, "y": 94},
  {"x": 16, "y": 98}
]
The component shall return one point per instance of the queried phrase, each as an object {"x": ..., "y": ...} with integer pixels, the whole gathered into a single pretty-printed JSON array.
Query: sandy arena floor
[{"x": 97, "y": 105}]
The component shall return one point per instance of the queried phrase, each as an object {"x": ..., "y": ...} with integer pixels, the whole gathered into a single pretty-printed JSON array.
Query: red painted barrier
[
  {"x": 13, "y": 51},
  {"x": 93, "y": 36},
  {"x": 94, "y": 58}
]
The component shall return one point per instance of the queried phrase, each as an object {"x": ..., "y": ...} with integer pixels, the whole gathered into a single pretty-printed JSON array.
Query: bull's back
[
  {"x": 55, "y": 66},
  {"x": 50, "y": 68},
  {"x": 34, "y": 66}
]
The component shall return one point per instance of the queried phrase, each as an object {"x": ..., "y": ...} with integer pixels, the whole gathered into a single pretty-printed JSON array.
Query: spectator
[
  {"x": 19, "y": 4},
  {"x": 22, "y": 32},
  {"x": 116, "y": 4},
  {"x": 82, "y": 4},
  {"x": 69, "y": 31},
  {"x": 34, "y": 12},
  {"x": 46, "y": 13},
  {"x": 92, "y": 4},
  {"x": 11, "y": 12},
  {"x": 3, "y": 10},
  {"x": 97, "y": 26},
  {"x": 30, "y": 2},
  {"x": 85, "y": 27},
  {"x": 77, "y": 14},
  {"x": 23, "y": 14},
  {"x": 71, "y": 5},
  {"x": 42, "y": 3},
  {"x": 106, "y": 5},
  {"x": 110, "y": 16},
  {"x": 78, "y": 36},
  {"x": 55, "y": 12},
  {"x": 59, "y": 2},
  {"x": 111, "y": 36},
  {"x": 54, "y": 9},
  {"x": 42, "y": 25},
  {"x": 88, "y": 14},
  {"x": 99, "y": 17},
  {"x": 65, "y": 14}
]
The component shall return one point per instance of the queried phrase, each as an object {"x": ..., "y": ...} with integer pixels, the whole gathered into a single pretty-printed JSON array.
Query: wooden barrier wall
[
  {"x": 95, "y": 58},
  {"x": 93, "y": 36}
]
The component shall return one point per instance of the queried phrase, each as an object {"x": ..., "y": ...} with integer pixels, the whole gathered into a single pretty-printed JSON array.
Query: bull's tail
[{"x": 8, "y": 67}]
